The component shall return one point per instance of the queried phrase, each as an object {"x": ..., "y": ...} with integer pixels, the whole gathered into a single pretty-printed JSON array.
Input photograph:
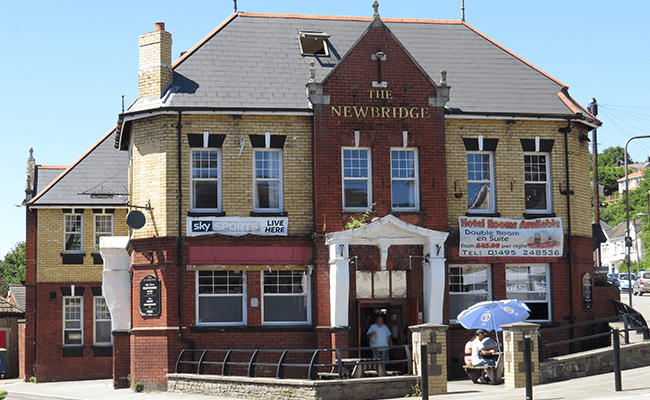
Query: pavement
[{"x": 636, "y": 385}]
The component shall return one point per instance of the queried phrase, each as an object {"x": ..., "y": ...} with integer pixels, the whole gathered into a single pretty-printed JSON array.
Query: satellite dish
[{"x": 135, "y": 219}]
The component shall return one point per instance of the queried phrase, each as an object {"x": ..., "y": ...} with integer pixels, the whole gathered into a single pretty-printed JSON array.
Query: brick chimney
[{"x": 155, "y": 73}]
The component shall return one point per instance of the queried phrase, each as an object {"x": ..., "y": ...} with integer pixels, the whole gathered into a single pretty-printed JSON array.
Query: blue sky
[{"x": 65, "y": 65}]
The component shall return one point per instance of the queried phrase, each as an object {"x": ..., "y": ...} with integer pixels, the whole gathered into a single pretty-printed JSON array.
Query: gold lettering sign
[{"x": 380, "y": 112}]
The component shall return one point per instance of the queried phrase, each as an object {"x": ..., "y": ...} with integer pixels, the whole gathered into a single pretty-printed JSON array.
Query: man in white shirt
[
  {"x": 379, "y": 336},
  {"x": 478, "y": 351}
]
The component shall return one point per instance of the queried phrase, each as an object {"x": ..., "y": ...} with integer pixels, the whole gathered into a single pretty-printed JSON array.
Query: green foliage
[
  {"x": 416, "y": 391},
  {"x": 13, "y": 266},
  {"x": 32, "y": 379},
  {"x": 139, "y": 386},
  {"x": 615, "y": 213},
  {"x": 3, "y": 394},
  {"x": 609, "y": 170},
  {"x": 359, "y": 221}
]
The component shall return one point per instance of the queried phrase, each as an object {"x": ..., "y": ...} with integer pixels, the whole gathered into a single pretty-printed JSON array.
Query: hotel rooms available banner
[{"x": 501, "y": 237}]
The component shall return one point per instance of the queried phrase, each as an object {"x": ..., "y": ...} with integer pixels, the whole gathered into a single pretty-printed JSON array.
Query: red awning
[{"x": 236, "y": 255}]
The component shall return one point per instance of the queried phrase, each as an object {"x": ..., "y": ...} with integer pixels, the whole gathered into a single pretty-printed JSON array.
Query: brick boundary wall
[
  {"x": 593, "y": 362},
  {"x": 291, "y": 389}
]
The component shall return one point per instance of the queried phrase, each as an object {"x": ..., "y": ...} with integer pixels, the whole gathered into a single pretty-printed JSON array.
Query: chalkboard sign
[
  {"x": 150, "y": 296},
  {"x": 587, "y": 294}
]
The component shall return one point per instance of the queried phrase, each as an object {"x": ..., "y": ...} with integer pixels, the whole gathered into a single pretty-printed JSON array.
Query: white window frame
[
  {"x": 492, "y": 198},
  {"x": 452, "y": 318},
  {"x": 368, "y": 179},
  {"x": 415, "y": 179},
  {"x": 102, "y": 234},
  {"x": 66, "y": 232},
  {"x": 81, "y": 320},
  {"x": 307, "y": 294},
  {"x": 218, "y": 179},
  {"x": 280, "y": 180},
  {"x": 547, "y": 183},
  {"x": 244, "y": 296},
  {"x": 548, "y": 288},
  {"x": 96, "y": 320}
]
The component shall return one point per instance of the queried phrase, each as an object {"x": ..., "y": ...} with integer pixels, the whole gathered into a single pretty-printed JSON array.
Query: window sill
[
  {"x": 252, "y": 329},
  {"x": 103, "y": 350},
  {"x": 480, "y": 214},
  {"x": 73, "y": 351},
  {"x": 269, "y": 214},
  {"x": 73, "y": 258},
  {"x": 539, "y": 215},
  {"x": 403, "y": 212},
  {"x": 97, "y": 259},
  {"x": 206, "y": 214}
]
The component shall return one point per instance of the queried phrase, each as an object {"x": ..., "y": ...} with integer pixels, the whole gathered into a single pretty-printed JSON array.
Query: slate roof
[
  {"x": 102, "y": 170},
  {"x": 6, "y": 307},
  {"x": 254, "y": 61},
  {"x": 619, "y": 231},
  {"x": 45, "y": 174},
  {"x": 18, "y": 292}
]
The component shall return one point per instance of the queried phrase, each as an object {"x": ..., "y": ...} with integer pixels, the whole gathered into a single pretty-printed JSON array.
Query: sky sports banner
[
  {"x": 237, "y": 226},
  {"x": 501, "y": 237}
]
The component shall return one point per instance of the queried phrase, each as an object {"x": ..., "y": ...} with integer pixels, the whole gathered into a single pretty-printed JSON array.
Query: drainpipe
[
  {"x": 568, "y": 192},
  {"x": 179, "y": 238}
]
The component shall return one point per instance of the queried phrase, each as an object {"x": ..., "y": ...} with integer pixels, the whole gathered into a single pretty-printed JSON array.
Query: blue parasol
[{"x": 491, "y": 315}]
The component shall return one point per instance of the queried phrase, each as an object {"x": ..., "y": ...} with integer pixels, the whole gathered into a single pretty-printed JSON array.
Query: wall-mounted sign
[
  {"x": 587, "y": 296},
  {"x": 150, "y": 296},
  {"x": 501, "y": 237},
  {"x": 237, "y": 226}
]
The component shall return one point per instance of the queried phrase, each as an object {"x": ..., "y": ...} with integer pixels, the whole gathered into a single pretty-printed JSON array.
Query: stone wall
[
  {"x": 280, "y": 389},
  {"x": 593, "y": 362}
]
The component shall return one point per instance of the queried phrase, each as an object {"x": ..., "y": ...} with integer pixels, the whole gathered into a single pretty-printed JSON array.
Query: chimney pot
[{"x": 160, "y": 26}]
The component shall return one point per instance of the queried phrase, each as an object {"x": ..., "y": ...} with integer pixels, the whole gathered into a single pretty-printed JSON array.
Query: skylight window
[{"x": 313, "y": 43}]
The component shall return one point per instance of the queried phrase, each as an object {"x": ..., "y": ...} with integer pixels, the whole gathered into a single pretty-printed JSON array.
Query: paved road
[{"x": 639, "y": 303}]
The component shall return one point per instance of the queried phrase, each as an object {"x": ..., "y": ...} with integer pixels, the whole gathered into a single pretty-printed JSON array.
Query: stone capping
[
  {"x": 593, "y": 362},
  {"x": 291, "y": 389}
]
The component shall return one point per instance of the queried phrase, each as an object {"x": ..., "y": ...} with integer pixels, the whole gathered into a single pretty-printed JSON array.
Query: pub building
[{"x": 293, "y": 176}]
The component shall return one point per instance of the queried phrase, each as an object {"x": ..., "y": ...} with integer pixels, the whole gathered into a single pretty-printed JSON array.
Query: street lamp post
[{"x": 628, "y": 239}]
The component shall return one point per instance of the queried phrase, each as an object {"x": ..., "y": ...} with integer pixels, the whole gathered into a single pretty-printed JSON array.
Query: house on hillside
[
  {"x": 613, "y": 251},
  {"x": 635, "y": 179}
]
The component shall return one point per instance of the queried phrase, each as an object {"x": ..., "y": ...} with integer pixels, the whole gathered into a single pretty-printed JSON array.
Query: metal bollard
[
  {"x": 528, "y": 360},
  {"x": 424, "y": 370},
  {"x": 616, "y": 339}
]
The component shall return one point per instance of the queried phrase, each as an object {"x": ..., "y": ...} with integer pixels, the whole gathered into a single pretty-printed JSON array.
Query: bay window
[
  {"x": 537, "y": 183},
  {"x": 357, "y": 184},
  {"x": 530, "y": 283},
  {"x": 268, "y": 180},
  {"x": 286, "y": 297},
  {"x": 404, "y": 179},
  {"x": 205, "y": 191},
  {"x": 221, "y": 297},
  {"x": 73, "y": 320},
  {"x": 480, "y": 182},
  {"x": 468, "y": 284}
]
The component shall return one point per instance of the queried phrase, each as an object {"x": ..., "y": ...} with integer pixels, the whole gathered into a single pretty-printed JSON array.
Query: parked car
[
  {"x": 624, "y": 284},
  {"x": 611, "y": 278},
  {"x": 624, "y": 276},
  {"x": 642, "y": 284}
]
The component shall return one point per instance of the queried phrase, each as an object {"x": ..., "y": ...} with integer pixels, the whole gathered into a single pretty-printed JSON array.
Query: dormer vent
[{"x": 313, "y": 43}]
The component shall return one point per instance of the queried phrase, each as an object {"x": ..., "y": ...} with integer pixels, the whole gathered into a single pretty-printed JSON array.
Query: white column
[
  {"x": 339, "y": 284},
  {"x": 116, "y": 283},
  {"x": 434, "y": 282}
]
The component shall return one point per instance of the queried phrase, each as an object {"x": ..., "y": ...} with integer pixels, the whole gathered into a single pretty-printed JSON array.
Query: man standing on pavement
[{"x": 379, "y": 336}]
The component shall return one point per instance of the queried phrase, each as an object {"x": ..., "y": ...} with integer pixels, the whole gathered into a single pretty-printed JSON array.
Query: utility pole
[{"x": 593, "y": 108}]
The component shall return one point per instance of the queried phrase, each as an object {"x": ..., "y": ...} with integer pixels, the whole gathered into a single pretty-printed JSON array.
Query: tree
[
  {"x": 610, "y": 168},
  {"x": 13, "y": 266}
]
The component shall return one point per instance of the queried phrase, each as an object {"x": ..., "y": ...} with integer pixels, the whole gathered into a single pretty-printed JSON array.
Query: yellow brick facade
[
  {"x": 50, "y": 245},
  {"x": 509, "y": 168},
  {"x": 153, "y": 172}
]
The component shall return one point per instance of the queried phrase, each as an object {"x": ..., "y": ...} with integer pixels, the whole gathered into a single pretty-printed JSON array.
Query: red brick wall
[
  {"x": 349, "y": 86},
  {"x": 21, "y": 350},
  {"x": 121, "y": 359},
  {"x": 27, "y": 369},
  {"x": 49, "y": 337}
]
